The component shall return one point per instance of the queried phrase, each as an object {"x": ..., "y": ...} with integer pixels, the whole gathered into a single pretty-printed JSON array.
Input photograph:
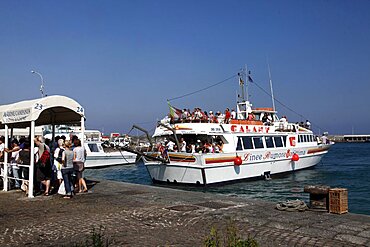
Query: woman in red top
[{"x": 227, "y": 115}]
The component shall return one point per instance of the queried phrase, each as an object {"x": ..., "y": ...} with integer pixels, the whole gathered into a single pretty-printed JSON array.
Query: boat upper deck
[{"x": 233, "y": 127}]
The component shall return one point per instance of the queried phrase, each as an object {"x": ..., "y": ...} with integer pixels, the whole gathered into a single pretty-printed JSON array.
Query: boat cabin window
[
  {"x": 247, "y": 142},
  {"x": 284, "y": 140},
  {"x": 257, "y": 116},
  {"x": 278, "y": 142},
  {"x": 269, "y": 142},
  {"x": 306, "y": 138},
  {"x": 93, "y": 147},
  {"x": 258, "y": 143},
  {"x": 239, "y": 144}
]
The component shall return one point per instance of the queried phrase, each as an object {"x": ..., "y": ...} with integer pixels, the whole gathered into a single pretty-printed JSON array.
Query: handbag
[{"x": 78, "y": 166}]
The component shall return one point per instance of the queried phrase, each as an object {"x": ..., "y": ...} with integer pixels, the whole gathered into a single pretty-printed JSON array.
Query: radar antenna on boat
[{"x": 244, "y": 107}]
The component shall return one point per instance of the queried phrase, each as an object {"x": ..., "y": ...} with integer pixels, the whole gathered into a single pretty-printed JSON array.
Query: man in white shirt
[
  {"x": 182, "y": 145},
  {"x": 324, "y": 139},
  {"x": 283, "y": 122},
  {"x": 308, "y": 124},
  {"x": 170, "y": 144},
  {"x": 233, "y": 114}
]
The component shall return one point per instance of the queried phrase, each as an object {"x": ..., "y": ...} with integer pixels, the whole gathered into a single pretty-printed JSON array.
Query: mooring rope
[{"x": 292, "y": 206}]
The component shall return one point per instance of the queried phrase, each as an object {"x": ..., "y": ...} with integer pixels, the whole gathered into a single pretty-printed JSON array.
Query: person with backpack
[{"x": 43, "y": 165}]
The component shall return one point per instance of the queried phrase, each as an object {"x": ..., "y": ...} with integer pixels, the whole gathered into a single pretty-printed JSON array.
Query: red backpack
[{"x": 45, "y": 157}]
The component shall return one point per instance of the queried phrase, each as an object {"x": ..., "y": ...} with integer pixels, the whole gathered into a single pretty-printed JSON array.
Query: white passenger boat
[
  {"x": 249, "y": 149},
  {"x": 98, "y": 157}
]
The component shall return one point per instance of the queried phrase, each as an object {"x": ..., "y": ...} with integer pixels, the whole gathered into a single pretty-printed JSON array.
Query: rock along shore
[{"x": 139, "y": 215}]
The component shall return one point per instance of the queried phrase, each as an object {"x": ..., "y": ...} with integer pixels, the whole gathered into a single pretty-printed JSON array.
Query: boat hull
[
  {"x": 219, "y": 168},
  {"x": 99, "y": 160}
]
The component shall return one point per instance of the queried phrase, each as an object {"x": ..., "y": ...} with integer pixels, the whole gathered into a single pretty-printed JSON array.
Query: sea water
[{"x": 347, "y": 165}]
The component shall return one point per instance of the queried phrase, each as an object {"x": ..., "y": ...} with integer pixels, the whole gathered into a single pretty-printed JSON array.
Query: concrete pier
[{"x": 138, "y": 215}]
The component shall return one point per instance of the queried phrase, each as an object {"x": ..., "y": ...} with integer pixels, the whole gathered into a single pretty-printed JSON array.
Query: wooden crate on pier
[{"x": 338, "y": 200}]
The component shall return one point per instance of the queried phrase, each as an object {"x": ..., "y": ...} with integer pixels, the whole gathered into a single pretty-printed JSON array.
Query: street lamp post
[{"x": 42, "y": 82}]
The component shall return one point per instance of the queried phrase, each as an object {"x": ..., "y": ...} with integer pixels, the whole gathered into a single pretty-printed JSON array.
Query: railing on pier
[{"x": 7, "y": 169}]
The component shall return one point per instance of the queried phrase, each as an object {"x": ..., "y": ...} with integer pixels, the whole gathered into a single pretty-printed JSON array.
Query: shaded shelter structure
[{"x": 50, "y": 110}]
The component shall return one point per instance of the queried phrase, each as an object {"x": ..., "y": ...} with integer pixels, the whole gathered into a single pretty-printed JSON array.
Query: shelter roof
[{"x": 54, "y": 109}]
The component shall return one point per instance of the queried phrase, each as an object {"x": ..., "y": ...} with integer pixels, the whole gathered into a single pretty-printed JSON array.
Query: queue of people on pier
[{"x": 58, "y": 165}]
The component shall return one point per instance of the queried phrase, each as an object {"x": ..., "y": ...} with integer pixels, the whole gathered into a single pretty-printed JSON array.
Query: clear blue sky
[{"x": 122, "y": 59}]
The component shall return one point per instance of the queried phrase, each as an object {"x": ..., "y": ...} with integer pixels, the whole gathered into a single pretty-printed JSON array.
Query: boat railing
[
  {"x": 219, "y": 121},
  {"x": 246, "y": 122},
  {"x": 285, "y": 127},
  {"x": 196, "y": 121}
]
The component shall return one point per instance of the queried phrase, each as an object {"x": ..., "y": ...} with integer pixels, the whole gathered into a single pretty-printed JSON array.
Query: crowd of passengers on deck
[
  {"x": 58, "y": 165},
  {"x": 194, "y": 146},
  {"x": 199, "y": 116}
]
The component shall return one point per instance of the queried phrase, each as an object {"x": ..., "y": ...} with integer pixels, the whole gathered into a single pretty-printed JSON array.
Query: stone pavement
[{"x": 139, "y": 215}]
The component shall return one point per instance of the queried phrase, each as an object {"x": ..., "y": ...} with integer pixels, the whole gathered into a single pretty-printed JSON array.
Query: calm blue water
[{"x": 347, "y": 165}]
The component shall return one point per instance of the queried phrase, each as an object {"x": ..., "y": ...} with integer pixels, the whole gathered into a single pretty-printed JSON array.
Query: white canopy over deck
[{"x": 43, "y": 111}]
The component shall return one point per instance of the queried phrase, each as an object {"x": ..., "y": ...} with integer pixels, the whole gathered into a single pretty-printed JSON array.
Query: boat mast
[
  {"x": 246, "y": 83},
  {"x": 241, "y": 84},
  {"x": 243, "y": 106},
  {"x": 271, "y": 89}
]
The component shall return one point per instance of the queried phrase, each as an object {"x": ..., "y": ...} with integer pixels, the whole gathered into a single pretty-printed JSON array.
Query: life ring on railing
[{"x": 295, "y": 157}]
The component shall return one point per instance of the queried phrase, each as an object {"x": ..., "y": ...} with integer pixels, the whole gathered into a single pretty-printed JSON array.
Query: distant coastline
[{"x": 350, "y": 138}]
